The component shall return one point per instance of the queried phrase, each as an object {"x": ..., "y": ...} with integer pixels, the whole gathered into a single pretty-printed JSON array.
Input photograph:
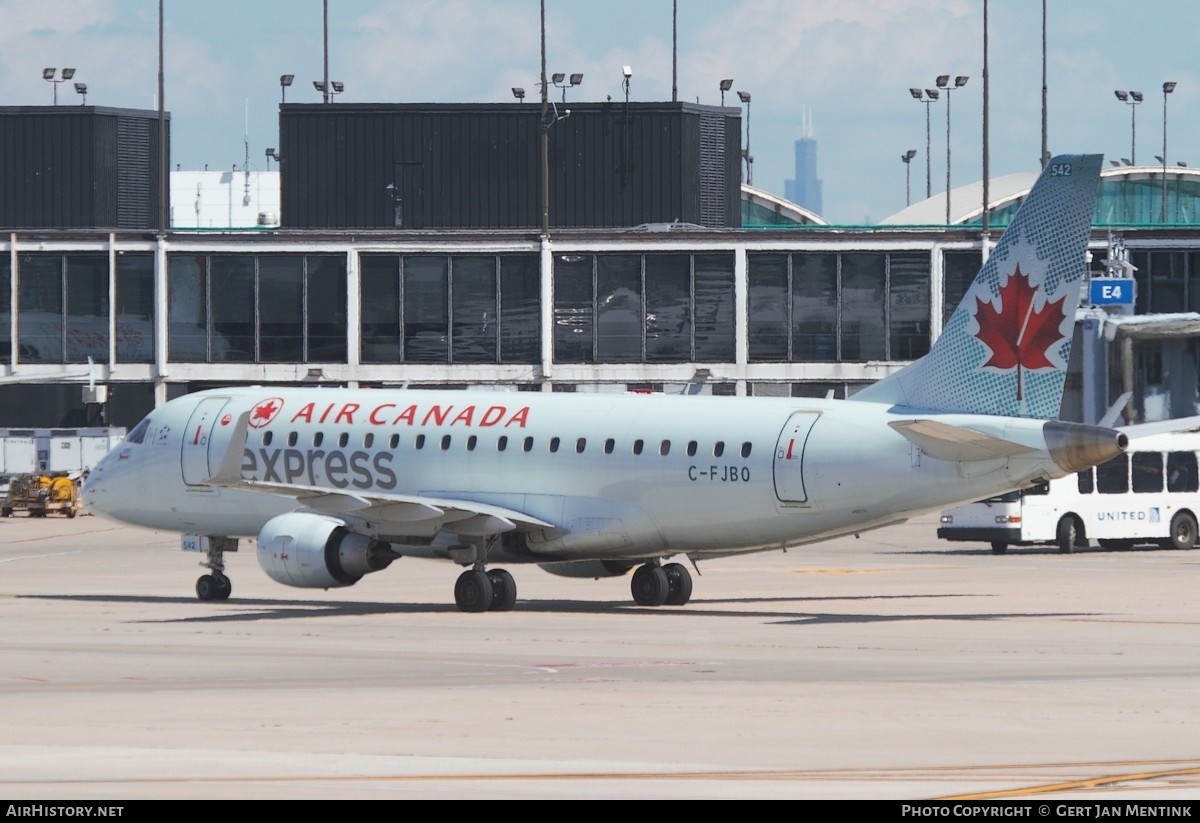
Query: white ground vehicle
[{"x": 1149, "y": 495}]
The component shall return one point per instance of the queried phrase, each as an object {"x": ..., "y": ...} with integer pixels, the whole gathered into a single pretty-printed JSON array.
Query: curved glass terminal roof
[{"x": 1129, "y": 196}]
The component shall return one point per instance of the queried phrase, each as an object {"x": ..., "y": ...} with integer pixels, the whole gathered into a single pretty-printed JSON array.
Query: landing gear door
[
  {"x": 789, "y": 458},
  {"x": 199, "y": 456}
]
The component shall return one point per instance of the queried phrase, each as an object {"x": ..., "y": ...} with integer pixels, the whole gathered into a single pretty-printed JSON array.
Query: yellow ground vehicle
[{"x": 41, "y": 494}]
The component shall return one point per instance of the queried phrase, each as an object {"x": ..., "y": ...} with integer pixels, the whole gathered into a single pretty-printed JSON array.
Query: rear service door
[{"x": 789, "y": 457}]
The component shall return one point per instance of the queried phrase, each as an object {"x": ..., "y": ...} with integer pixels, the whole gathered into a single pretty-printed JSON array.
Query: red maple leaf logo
[
  {"x": 1018, "y": 336},
  {"x": 265, "y": 412}
]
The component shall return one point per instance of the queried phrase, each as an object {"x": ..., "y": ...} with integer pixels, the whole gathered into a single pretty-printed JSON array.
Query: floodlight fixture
[
  {"x": 518, "y": 92},
  {"x": 725, "y": 85},
  {"x": 81, "y": 89}
]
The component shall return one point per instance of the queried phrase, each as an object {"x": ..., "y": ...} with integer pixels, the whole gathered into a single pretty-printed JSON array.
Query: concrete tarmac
[{"x": 894, "y": 666}]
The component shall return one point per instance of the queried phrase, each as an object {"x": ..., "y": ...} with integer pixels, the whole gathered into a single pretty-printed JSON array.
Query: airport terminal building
[{"x": 403, "y": 244}]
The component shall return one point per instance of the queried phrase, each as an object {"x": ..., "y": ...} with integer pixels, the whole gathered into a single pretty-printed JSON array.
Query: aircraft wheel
[
  {"x": 1067, "y": 534},
  {"x": 504, "y": 590},
  {"x": 999, "y": 547},
  {"x": 1183, "y": 532},
  {"x": 650, "y": 585},
  {"x": 207, "y": 587},
  {"x": 473, "y": 591},
  {"x": 679, "y": 584},
  {"x": 224, "y": 587}
]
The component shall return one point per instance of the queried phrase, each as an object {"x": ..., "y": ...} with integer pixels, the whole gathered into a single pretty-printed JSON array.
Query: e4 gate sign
[{"x": 1112, "y": 291}]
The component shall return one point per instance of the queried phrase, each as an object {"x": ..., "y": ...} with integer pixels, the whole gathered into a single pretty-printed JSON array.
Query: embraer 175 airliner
[{"x": 335, "y": 484}]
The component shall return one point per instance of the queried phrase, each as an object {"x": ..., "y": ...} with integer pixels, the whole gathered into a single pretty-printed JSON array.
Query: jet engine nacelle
[
  {"x": 316, "y": 551},
  {"x": 588, "y": 568}
]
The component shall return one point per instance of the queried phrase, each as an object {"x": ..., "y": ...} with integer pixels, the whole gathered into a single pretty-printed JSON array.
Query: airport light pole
[
  {"x": 744, "y": 96},
  {"x": 53, "y": 75},
  {"x": 560, "y": 81},
  {"x": 943, "y": 83},
  {"x": 1168, "y": 87},
  {"x": 928, "y": 97},
  {"x": 907, "y": 160},
  {"x": 285, "y": 80},
  {"x": 725, "y": 86},
  {"x": 1132, "y": 98}
]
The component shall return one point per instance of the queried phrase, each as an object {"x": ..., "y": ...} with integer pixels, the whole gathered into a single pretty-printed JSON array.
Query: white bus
[{"x": 1149, "y": 495}]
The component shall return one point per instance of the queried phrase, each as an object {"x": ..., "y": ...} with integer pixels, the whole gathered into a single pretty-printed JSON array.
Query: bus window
[
  {"x": 1039, "y": 489},
  {"x": 1087, "y": 484},
  {"x": 1181, "y": 472},
  {"x": 1147, "y": 472},
  {"x": 1113, "y": 477}
]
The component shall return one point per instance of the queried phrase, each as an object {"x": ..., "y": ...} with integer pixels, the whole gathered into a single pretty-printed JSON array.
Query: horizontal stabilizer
[
  {"x": 955, "y": 443},
  {"x": 1179, "y": 424}
]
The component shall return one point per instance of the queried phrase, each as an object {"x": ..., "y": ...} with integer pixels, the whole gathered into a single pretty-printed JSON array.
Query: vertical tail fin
[{"x": 1004, "y": 350}]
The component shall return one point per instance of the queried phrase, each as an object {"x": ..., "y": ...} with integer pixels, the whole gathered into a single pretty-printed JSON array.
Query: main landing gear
[
  {"x": 480, "y": 589},
  {"x": 656, "y": 585},
  {"x": 216, "y": 586}
]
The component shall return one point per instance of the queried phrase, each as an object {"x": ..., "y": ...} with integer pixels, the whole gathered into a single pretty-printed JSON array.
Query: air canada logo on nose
[
  {"x": 1018, "y": 335},
  {"x": 265, "y": 412}
]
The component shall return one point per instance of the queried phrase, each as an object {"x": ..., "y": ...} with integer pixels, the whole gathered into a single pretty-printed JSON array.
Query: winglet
[{"x": 229, "y": 472}]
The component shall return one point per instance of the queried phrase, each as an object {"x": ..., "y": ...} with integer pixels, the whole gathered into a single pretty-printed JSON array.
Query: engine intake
[{"x": 316, "y": 551}]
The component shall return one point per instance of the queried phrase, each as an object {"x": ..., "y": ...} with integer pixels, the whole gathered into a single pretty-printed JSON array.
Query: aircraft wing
[{"x": 388, "y": 512}]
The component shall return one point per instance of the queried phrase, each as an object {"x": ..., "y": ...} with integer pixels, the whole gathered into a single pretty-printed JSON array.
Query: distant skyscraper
[{"x": 805, "y": 190}]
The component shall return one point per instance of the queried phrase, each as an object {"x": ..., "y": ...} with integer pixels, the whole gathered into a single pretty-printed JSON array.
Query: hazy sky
[{"x": 850, "y": 63}]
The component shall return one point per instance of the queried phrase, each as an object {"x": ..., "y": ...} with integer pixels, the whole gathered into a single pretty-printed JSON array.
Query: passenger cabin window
[
  {"x": 1147, "y": 476},
  {"x": 637, "y": 446},
  {"x": 292, "y": 438},
  {"x": 718, "y": 448},
  {"x": 691, "y": 448},
  {"x": 745, "y": 450},
  {"x": 502, "y": 443},
  {"x": 420, "y": 441},
  {"x": 528, "y": 444},
  {"x": 580, "y": 445},
  {"x": 343, "y": 440},
  {"x": 664, "y": 448},
  {"x": 445, "y": 442},
  {"x": 1113, "y": 477},
  {"x": 471, "y": 441},
  {"x": 368, "y": 440},
  {"x": 318, "y": 438},
  {"x": 394, "y": 441},
  {"x": 609, "y": 445},
  {"x": 267, "y": 438},
  {"x": 553, "y": 444},
  {"x": 1181, "y": 472}
]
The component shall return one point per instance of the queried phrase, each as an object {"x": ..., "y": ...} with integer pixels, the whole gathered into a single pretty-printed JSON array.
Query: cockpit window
[{"x": 139, "y": 432}]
